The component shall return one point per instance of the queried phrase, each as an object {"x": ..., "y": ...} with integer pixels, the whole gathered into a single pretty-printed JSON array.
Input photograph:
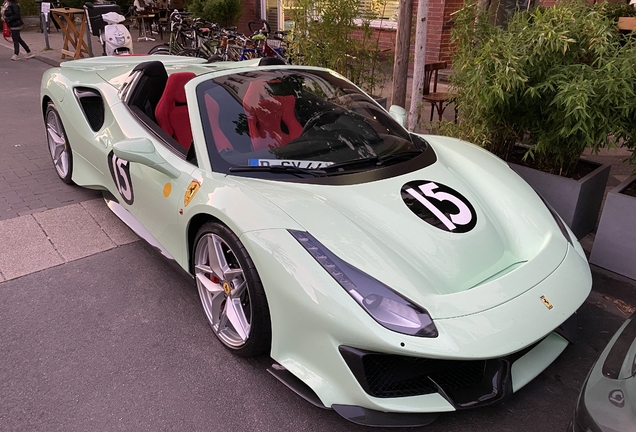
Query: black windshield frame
[{"x": 361, "y": 118}]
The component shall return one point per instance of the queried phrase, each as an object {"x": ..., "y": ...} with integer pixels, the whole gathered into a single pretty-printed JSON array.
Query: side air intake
[{"x": 92, "y": 105}]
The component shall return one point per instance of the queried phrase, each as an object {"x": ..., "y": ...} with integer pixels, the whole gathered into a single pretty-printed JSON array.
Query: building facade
[{"x": 438, "y": 36}]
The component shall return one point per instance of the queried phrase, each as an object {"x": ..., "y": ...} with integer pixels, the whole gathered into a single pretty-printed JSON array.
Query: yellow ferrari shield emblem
[
  {"x": 227, "y": 288},
  {"x": 546, "y": 302},
  {"x": 191, "y": 192}
]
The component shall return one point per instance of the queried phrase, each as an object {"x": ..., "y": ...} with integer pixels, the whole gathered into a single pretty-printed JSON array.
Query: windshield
[{"x": 297, "y": 123}]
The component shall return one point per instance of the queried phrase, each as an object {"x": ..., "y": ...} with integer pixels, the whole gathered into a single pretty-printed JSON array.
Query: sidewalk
[
  {"x": 35, "y": 40},
  {"x": 47, "y": 239}
]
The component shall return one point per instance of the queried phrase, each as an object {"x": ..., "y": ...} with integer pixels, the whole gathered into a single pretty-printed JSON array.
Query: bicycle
[
  {"x": 270, "y": 44},
  {"x": 181, "y": 36}
]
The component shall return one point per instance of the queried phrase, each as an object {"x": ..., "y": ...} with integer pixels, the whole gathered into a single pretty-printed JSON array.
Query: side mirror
[
  {"x": 141, "y": 150},
  {"x": 399, "y": 114}
]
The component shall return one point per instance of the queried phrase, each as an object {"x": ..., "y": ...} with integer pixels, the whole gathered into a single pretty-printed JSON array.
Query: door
[{"x": 154, "y": 198}]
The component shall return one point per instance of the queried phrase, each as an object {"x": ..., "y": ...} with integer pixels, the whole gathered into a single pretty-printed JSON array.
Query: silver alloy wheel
[
  {"x": 58, "y": 147},
  {"x": 223, "y": 290}
]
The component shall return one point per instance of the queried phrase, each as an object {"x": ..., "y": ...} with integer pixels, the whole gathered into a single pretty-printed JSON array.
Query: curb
[{"x": 48, "y": 61}]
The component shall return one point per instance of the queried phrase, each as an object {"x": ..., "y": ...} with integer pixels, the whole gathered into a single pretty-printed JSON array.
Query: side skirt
[
  {"x": 151, "y": 242},
  {"x": 134, "y": 224}
]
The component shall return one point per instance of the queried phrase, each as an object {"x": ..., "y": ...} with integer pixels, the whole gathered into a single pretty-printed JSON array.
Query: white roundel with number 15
[
  {"x": 120, "y": 171},
  {"x": 440, "y": 202}
]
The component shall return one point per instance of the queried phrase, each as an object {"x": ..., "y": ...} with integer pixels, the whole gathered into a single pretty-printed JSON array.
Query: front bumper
[{"x": 312, "y": 317}]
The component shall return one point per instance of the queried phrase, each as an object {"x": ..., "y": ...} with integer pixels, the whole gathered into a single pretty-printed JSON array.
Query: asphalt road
[{"x": 118, "y": 341}]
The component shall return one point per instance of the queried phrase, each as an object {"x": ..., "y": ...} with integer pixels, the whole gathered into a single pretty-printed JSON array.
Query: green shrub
[
  {"x": 326, "y": 35},
  {"x": 28, "y": 8},
  {"x": 560, "y": 79},
  {"x": 225, "y": 13}
]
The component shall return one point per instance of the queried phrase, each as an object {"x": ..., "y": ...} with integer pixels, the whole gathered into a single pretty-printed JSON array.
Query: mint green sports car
[{"x": 390, "y": 276}]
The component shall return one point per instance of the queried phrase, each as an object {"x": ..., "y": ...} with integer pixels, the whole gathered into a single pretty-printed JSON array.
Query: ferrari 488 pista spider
[{"x": 389, "y": 275}]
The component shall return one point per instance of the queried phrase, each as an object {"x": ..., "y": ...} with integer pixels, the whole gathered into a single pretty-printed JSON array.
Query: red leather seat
[
  {"x": 172, "y": 110},
  {"x": 271, "y": 120}
]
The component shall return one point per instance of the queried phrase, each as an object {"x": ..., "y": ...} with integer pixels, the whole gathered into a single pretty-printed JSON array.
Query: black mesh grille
[
  {"x": 94, "y": 111},
  {"x": 464, "y": 383},
  {"x": 395, "y": 376},
  {"x": 460, "y": 374},
  {"x": 388, "y": 376}
]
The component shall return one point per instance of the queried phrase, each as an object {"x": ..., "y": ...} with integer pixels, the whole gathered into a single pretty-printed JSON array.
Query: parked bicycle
[{"x": 181, "y": 35}]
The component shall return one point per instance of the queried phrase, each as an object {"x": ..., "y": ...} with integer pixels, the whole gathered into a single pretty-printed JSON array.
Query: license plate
[
  {"x": 306, "y": 164},
  {"x": 273, "y": 43}
]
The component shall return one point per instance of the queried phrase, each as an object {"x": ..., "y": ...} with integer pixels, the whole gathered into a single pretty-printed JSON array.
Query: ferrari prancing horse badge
[
  {"x": 546, "y": 302},
  {"x": 191, "y": 191}
]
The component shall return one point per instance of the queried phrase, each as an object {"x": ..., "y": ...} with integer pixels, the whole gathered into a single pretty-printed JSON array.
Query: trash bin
[{"x": 94, "y": 13}]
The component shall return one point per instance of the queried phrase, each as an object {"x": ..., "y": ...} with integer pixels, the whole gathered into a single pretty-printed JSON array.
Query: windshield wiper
[
  {"x": 376, "y": 160},
  {"x": 289, "y": 169}
]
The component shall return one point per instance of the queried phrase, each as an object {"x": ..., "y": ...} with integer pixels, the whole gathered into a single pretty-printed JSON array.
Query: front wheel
[
  {"x": 231, "y": 291},
  {"x": 59, "y": 147}
]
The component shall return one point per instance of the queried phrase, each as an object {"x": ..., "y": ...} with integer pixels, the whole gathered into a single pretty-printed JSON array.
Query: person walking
[{"x": 11, "y": 15}]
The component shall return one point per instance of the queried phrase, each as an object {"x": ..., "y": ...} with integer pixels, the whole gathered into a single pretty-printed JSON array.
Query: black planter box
[
  {"x": 578, "y": 202},
  {"x": 614, "y": 246}
]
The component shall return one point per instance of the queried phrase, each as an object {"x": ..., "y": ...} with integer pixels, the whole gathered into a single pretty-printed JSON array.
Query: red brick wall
[
  {"x": 385, "y": 39},
  {"x": 251, "y": 12},
  {"x": 437, "y": 33}
]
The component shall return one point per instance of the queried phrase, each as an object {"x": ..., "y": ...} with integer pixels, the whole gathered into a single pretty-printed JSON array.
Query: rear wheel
[
  {"x": 231, "y": 291},
  {"x": 59, "y": 147}
]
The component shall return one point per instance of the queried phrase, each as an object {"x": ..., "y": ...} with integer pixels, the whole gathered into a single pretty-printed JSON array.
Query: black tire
[
  {"x": 59, "y": 147},
  {"x": 163, "y": 49},
  {"x": 190, "y": 52},
  {"x": 215, "y": 58},
  {"x": 233, "y": 299}
]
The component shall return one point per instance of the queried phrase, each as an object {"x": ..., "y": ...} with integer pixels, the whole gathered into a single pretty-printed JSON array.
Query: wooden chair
[{"x": 438, "y": 100}]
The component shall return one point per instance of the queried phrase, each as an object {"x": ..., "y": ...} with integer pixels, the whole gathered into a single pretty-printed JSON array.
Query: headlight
[{"x": 384, "y": 305}]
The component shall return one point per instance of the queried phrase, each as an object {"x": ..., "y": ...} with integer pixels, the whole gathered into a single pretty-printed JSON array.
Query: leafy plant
[
  {"x": 226, "y": 13},
  {"x": 336, "y": 34},
  {"x": 28, "y": 8},
  {"x": 559, "y": 79}
]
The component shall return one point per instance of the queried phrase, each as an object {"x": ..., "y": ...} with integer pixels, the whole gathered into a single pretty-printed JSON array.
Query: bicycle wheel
[
  {"x": 163, "y": 49},
  {"x": 189, "y": 52}
]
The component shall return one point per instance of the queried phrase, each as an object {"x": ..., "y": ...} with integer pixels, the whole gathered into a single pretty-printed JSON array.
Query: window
[{"x": 380, "y": 10}]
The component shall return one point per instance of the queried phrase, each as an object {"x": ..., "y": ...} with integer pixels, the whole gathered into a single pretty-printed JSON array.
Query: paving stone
[
  {"x": 21, "y": 206},
  {"x": 32, "y": 210},
  {"x": 14, "y": 200},
  {"x": 73, "y": 232},
  {"x": 24, "y": 154},
  {"x": 8, "y": 214},
  {"x": 24, "y": 192},
  {"x": 114, "y": 228},
  {"x": 25, "y": 248}
]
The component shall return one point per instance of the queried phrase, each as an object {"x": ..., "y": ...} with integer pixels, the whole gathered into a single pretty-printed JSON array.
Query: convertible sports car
[{"x": 389, "y": 275}]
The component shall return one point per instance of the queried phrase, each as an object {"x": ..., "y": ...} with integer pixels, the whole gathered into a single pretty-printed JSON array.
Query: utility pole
[
  {"x": 420, "y": 61},
  {"x": 402, "y": 48}
]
